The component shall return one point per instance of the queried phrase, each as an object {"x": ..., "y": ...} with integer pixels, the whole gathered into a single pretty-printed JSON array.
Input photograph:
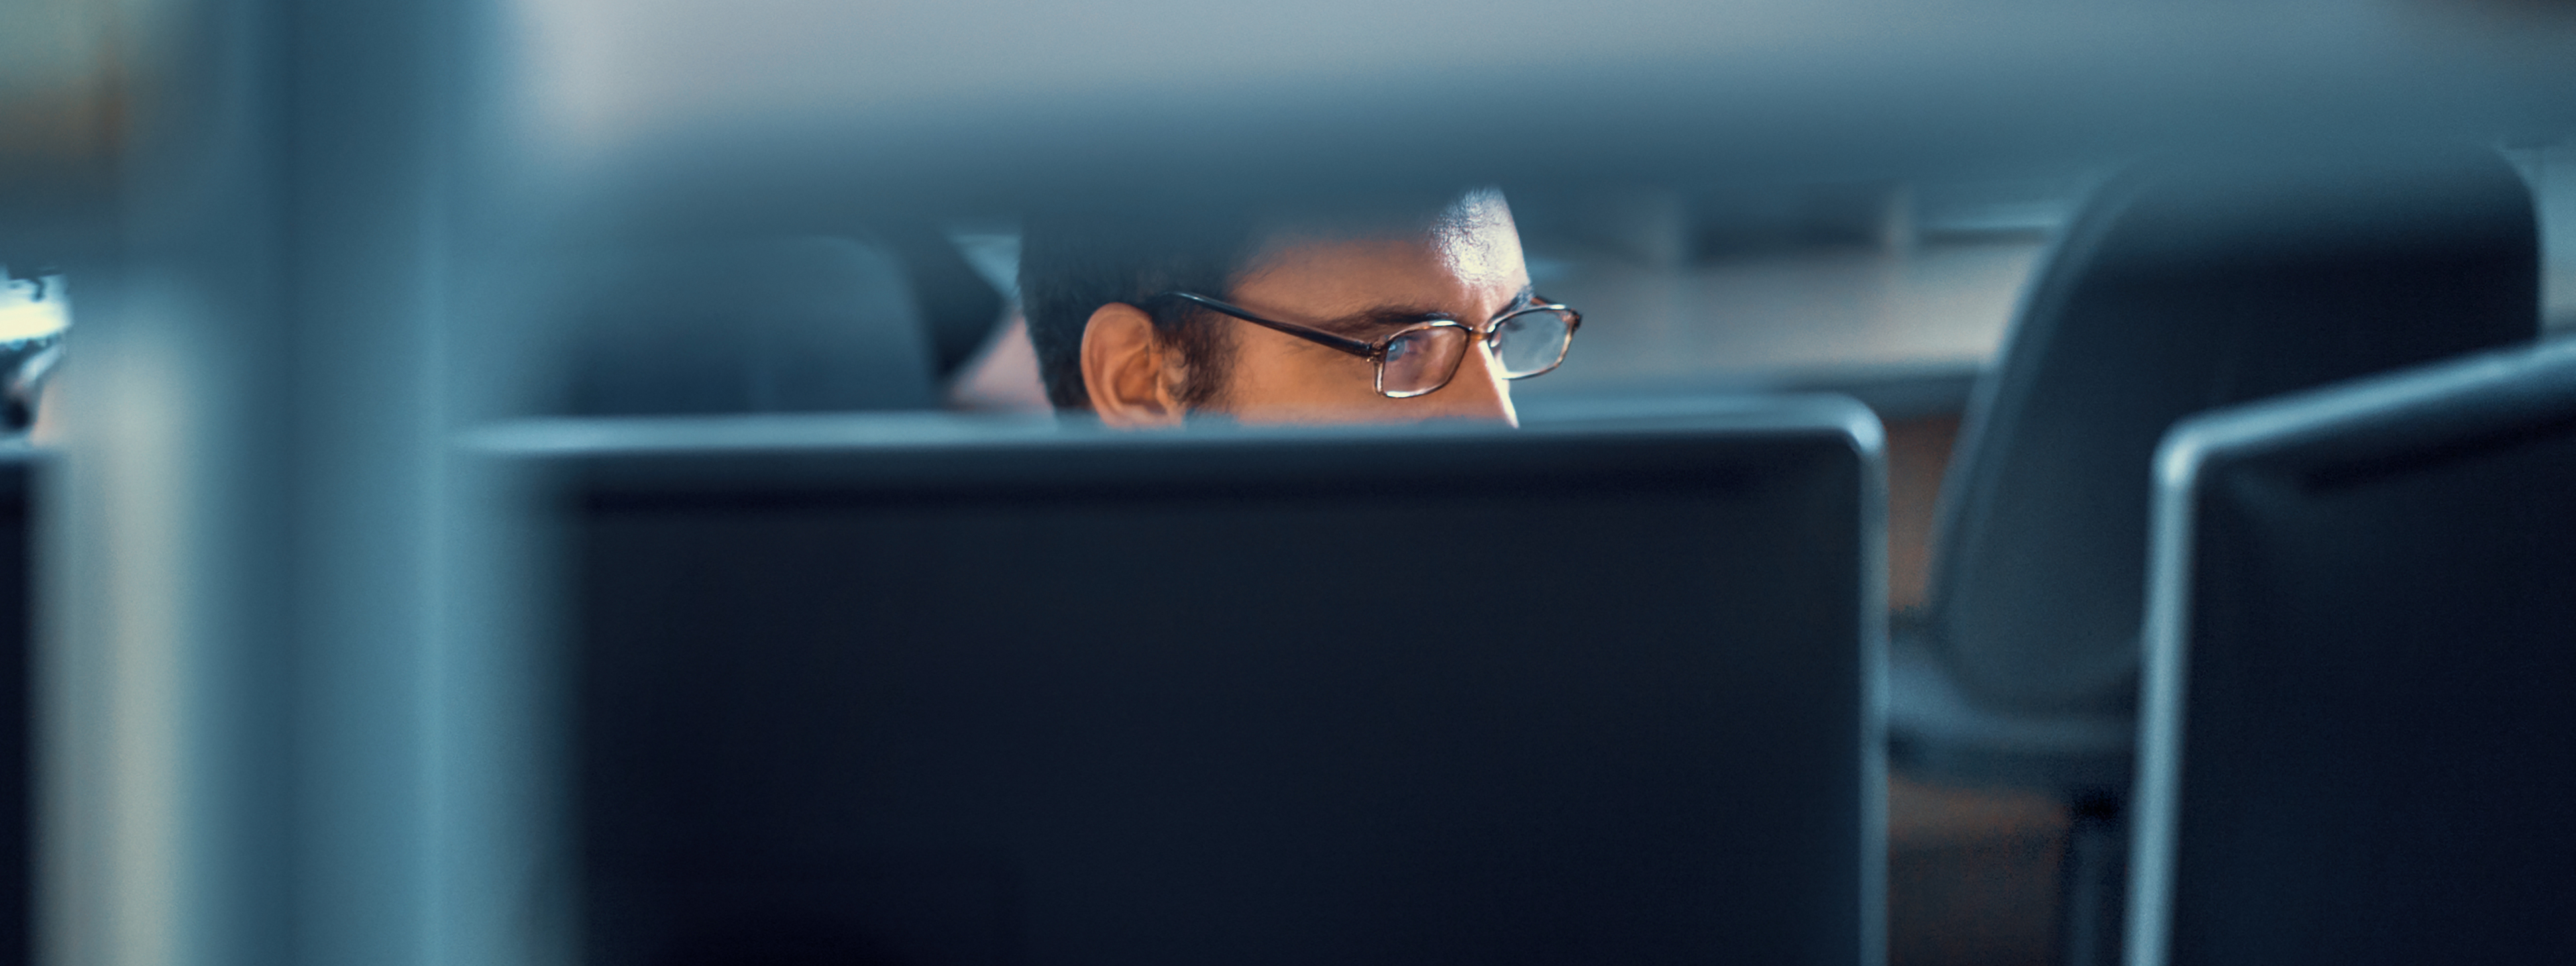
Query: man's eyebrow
[
  {"x": 1379, "y": 319},
  {"x": 1384, "y": 318}
]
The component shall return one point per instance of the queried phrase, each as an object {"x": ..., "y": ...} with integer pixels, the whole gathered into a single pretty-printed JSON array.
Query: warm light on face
[{"x": 1476, "y": 239}]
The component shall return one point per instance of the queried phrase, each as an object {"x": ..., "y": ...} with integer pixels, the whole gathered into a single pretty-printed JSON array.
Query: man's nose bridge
[{"x": 1480, "y": 375}]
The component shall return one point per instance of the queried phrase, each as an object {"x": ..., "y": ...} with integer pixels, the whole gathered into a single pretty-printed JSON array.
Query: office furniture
[
  {"x": 2356, "y": 719},
  {"x": 2182, "y": 285},
  {"x": 938, "y": 692}
]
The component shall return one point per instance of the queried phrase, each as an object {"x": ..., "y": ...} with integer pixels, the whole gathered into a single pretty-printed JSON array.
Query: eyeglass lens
[
  {"x": 1529, "y": 343},
  {"x": 1525, "y": 344},
  {"x": 1421, "y": 360}
]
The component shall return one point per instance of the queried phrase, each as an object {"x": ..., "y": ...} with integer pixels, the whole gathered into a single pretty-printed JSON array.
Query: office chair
[
  {"x": 749, "y": 326},
  {"x": 2180, "y": 286},
  {"x": 959, "y": 309}
]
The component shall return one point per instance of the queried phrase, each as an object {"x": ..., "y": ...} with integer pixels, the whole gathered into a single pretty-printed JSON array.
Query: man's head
[{"x": 1111, "y": 338}]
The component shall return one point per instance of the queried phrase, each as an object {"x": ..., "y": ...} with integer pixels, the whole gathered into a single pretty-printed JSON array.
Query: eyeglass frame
[{"x": 1375, "y": 352}]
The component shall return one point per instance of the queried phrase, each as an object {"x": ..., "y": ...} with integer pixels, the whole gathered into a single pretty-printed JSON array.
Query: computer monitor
[
  {"x": 17, "y": 887},
  {"x": 899, "y": 690},
  {"x": 2358, "y": 714}
]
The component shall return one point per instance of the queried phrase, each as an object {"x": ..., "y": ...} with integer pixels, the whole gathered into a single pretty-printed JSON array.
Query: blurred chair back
[
  {"x": 2358, "y": 669},
  {"x": 2181, "y": 288},
  {"x": 750, "y": 326}
]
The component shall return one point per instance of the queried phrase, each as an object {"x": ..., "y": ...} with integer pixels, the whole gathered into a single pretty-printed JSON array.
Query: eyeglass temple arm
[{"x": 1326, "y": 339}]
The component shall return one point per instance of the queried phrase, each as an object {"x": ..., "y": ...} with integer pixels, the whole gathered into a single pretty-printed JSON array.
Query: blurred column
[{"x": 248, "y": 687}]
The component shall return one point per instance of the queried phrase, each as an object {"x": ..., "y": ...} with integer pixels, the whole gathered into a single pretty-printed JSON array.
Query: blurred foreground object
[{"x": 798, "y": 110}]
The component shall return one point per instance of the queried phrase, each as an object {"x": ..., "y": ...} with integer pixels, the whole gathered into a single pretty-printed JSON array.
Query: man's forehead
[
  {"x": 1478, "y": 241},
  {"x": 1471, "y": 237},
  {"x": 1426, "y": 269},
  {"x": 1391, "y": 217}
]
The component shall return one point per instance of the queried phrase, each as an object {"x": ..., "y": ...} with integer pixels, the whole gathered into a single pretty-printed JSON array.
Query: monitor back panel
[
  {"x": 2375, "y": 754},
  {"x": 1461, "y": 697}
]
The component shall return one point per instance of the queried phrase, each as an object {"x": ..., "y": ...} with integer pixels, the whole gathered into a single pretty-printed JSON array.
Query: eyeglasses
[{"x": 1420, "y": 359}]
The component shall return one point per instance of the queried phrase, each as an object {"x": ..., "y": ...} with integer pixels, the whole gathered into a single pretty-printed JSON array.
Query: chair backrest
[
  {"x": 959, "y": 308},
  {"x": 2357, "y": 720},
  {"x": 2179, "y": 288},
  {"x": 930, "y": 694},
  {"x": 749, "y": 326}
]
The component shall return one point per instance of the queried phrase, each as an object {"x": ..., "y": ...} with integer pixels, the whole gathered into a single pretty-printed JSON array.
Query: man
[{"x": 1408, "y": 312}]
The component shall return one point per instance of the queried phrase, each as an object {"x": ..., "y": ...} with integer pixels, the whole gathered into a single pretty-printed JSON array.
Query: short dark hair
[{"x": 1072, "y": 263}]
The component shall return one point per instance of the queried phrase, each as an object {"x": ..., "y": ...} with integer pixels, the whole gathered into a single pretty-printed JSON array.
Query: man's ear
[{"x": 1123, "y": 368}]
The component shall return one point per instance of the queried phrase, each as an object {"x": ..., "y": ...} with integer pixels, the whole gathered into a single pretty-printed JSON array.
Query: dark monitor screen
[
  {"x": 18, "y": 467},
  {"x": 2363, "y": 699},
  {"x": 864, "y": 695}
]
